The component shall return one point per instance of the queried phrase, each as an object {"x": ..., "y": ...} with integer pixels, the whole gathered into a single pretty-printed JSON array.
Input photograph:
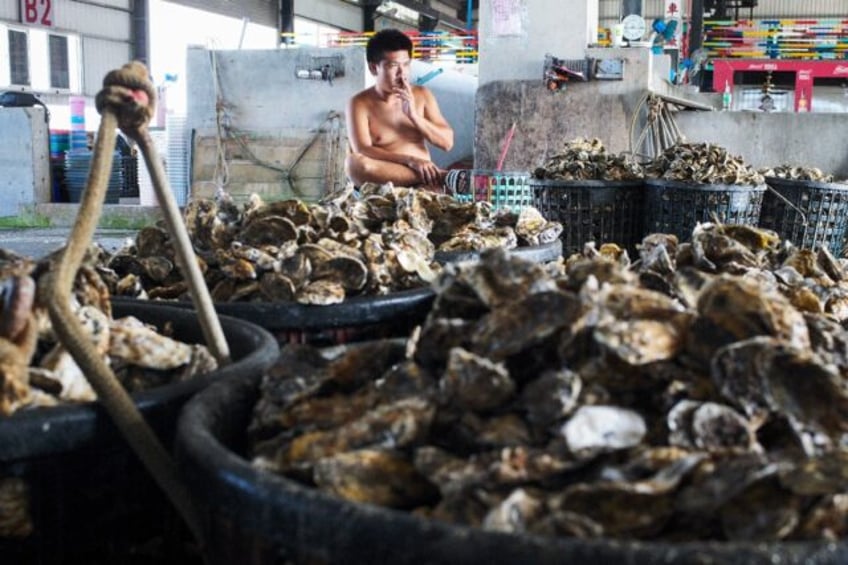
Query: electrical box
[{"x": 608, "y": 69}]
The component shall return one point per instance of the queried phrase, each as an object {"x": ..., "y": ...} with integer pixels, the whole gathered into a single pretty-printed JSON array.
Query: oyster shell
[
  {"x": 373, "y": 476},
  {"x": 603, "y": 428}
]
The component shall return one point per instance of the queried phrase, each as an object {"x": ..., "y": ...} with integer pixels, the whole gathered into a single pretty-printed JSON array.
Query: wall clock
[{"x": 634, "y": 27}]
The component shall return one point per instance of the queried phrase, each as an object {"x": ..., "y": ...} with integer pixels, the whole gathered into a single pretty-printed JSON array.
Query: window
[
  {"x": 18, "y": 58},
  {"x": 59, "y": 68},
  {"x": 39, "y": 60}
]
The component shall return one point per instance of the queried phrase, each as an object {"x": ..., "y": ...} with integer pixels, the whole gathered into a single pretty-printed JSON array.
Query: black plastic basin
[
  {"x": 91, "y": 499},
  {"x": 253, "y": 516}
]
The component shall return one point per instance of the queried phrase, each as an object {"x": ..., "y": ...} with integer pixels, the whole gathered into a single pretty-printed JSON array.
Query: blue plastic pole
[
  {"x": 469, "y": 14},
  {"x": 429, "y": 76}
]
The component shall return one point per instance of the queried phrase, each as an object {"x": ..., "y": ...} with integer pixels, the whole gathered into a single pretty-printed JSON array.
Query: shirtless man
[{"x": 390, "y": 124}]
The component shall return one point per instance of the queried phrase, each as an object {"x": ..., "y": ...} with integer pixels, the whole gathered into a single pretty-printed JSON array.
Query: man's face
[{"x": 393, "y": 70}]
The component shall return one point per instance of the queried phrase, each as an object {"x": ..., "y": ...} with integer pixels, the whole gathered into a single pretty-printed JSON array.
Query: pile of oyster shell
[
  {"x": 705, "y": 163},
  {"x": 587, "y": 159},
  {"x": 699, "y": 393},
  {"x": 36, "y": 369},
  {"x": 380, "y": 240},
  {"x": 790, "y": 172}
]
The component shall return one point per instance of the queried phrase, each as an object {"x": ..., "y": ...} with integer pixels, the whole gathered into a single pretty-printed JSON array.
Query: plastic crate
[
  {"x": 592, "y": 210},
  {"x": 815, "y": 216},
  {"x": 504, "y": 189},
  {"x": 129, "y": 167},
  {"x": 676, "y": 207}
]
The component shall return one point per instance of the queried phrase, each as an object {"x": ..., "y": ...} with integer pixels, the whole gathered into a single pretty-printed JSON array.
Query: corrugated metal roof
[
  {"x": 261, "y": 12},
  {"x": 795, "y": 9},
  {"x": 89, "y": 19}
]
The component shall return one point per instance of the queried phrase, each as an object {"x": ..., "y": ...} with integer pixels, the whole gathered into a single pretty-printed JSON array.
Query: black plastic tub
[
  {"x": 592, "y": 210},
  {"x": 359, "y": 318},
  {"x": 251, "y": 516},
  {"x": 815, "y": 216},
  {"x": 91, "y": 500},
  {"x": 676, "y": 207}
]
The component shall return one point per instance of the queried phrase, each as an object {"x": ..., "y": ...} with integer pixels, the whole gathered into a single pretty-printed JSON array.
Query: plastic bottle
[
  {"x": 726, "y": 97},
  {"x": 802, "y": 103}
]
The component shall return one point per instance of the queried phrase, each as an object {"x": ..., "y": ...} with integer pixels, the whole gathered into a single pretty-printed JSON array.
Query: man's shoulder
[
  {"x": 364, "y": 94},
  {"x": 417, "y": 89},
  {"x": 363, "y": 98}
]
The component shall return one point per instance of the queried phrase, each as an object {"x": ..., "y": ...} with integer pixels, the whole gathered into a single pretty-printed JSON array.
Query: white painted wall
[
  {"x": 260, "y": 90},
  {"x": 454, "y": 91}
]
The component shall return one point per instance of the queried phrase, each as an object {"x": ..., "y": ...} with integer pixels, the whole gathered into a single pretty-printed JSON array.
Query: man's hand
[
  {"x": 407, "y": 100},
  {"x": 426, "y": 170}
]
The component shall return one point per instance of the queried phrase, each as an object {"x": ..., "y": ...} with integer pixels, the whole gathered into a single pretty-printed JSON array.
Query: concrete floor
[{"x": 38, "y": 242}]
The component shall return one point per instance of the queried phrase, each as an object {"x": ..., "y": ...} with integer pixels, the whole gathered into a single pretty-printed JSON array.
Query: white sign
[
  {"x": 672, "y": 9},
  {"x": 506, "y": 17},
  {"x": 37, "y": 12},
  {"x": 673, "y": 12}
]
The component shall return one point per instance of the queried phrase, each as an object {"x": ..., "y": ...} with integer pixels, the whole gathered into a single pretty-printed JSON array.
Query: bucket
[
  {"x": 676, "y": 207},
  {"x": 60, "y": 141},
  {"x": 592, "y": 210},
  {"x": 77, "y": 168},
  {"x": 255, "y": 517},
  {"x": 90, "y": 498},
  {"x": 78, "y": 137},
  {"x": 815, "y": 216}
]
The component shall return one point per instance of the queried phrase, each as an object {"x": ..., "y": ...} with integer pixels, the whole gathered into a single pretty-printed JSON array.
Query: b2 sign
[{"x": 37, "y": 12}]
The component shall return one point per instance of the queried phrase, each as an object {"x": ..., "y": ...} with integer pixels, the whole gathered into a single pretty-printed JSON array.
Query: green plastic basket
[{"x": 504, "y": 189}]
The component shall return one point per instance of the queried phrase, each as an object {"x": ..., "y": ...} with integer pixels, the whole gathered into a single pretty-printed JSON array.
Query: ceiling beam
[
  {"x": 460, "y": 4},
  {"x": 421, "y": 8}
]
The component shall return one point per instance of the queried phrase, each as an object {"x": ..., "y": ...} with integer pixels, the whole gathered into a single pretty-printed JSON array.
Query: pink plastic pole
[{"x": 505, "y": 148}]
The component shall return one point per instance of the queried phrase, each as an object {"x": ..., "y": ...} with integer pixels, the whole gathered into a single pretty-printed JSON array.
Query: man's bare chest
[{"x": 390, "y": 125}]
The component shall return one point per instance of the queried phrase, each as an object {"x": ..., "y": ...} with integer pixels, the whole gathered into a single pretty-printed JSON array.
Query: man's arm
[{"x": 430, "y": 122}]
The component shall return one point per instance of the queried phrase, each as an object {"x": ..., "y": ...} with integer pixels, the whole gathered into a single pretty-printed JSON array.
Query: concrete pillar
[
  {"x": 513, "y": 42},
  {"x": 24, "y": 159}
]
